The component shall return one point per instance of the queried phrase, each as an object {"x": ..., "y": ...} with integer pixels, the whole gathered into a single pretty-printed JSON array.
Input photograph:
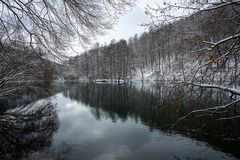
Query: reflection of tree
[
  {"x": 159, "y": 107},
  {"x": 201, "y": 35},
  {"x": 26, "y": 129},
  {"x": 152, "y": 105},
  {"x": 27, "y": 96}
]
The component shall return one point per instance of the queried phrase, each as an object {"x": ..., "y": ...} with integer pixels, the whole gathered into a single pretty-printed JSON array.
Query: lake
[{"x": 89, "y": 121}]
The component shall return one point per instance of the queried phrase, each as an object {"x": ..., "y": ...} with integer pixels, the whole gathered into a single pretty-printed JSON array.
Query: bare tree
[
  {"x": 53, "y": 24},
  {"x": 33, "y": 30},
  {"x": 23, "y": 72},
  {"x": 217, "y": 49}
]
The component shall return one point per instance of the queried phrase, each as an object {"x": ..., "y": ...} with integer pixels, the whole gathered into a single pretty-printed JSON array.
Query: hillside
[{"x": 169, "y": 52}]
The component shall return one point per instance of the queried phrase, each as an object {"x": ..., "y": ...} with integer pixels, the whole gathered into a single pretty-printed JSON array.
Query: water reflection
[
  {"x": 27, "y": 129},
  {"x": 127, "y": 122},
  {"x": 103, "y": 121},
  {"x": 151, "y": 105}
]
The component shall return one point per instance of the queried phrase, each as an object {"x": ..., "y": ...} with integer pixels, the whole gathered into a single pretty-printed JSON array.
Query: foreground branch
[
  {"x": 231, "y": 90},
  {"x": 217, "y": 108}
]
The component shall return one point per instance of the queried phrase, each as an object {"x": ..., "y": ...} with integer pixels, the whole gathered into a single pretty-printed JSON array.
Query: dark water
[{"x": 122, "y": 122}]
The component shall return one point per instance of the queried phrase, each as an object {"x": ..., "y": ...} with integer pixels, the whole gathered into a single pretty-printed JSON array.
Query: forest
[
  {"x": 197, "y": 51},
  {"x": 178, "y": 80},
  {"x": 34, "y": 36},
  {"x": 171, "y": 52}
]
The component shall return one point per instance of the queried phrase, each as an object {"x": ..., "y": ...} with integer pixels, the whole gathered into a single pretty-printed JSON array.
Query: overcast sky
[{"x": 128, "y": 25}]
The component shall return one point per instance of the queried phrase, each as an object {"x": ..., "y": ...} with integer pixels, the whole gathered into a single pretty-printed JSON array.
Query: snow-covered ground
[{"x": 104, "y": 81}]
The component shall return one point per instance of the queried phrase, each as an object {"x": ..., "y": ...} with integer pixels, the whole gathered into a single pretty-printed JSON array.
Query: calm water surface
[
  {"x": 88, "y": 121},
  {"x": 105, "y": 122}
]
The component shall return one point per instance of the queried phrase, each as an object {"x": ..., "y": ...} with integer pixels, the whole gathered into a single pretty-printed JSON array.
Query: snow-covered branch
[
  {"x": 212, "y": 109},
  {"x": 214, "y": 44},
  {"x": 231, "y": 90},
  {"x": 221, "y": 5}
]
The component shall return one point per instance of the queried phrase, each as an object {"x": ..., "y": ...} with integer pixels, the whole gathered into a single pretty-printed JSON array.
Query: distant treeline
[{"x": 169, "y": 49}]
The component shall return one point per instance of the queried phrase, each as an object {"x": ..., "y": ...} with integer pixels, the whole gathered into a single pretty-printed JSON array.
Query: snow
[
  {"x": 109, "y": 81},
  {"x": 155, "y": 75},
  {"x": 229, "y": 89}
]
